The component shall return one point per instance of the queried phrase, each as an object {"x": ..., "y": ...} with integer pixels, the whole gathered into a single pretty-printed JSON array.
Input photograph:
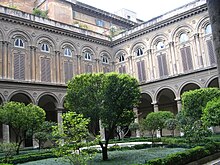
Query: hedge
[{"x": 182, "y": 158}]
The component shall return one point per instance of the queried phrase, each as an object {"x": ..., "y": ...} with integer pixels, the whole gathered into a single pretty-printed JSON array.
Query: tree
[
  {"x": 106, "y": 97},
  {"x": 21, "y": 119},
  {"x": 74, "y": 131},
  {"x": 156, "y": 121},
  {"x": 44, "y": 133},
  {"x": 211, "y": 113},
  {"x": 171, "y": 125},
  {"x": 214, "y": 14}
]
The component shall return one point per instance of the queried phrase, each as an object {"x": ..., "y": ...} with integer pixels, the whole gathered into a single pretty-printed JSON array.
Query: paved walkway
[{"x": 214, "y": 162}]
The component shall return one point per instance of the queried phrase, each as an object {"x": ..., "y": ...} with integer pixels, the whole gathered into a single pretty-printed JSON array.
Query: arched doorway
[
  {"x": 49, "y": 104},
  {"x": 145, "y": 106},
  {"x": 188, "y": 87},
  {"x": 214, "y": 83},
  {"x": 22, "y": 98},
  {"x": 166, "y": 101}
]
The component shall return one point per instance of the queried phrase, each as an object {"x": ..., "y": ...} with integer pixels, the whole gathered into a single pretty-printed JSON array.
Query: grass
[{"x": 118, "y": 157}]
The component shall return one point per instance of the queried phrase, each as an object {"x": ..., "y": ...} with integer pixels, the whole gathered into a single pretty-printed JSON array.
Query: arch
[
  {"x": 179, "y": 30},
  {"x": 213, "y": 82},
  {"x": 119, "y": 53},
  {"x": 21, "y": 96},
  {"x": 44, "y": 38},
  {"x": 166, "y": 100},
  {"x": 157, "y": 38},
  {"x": 2, "y": 35},
  {"x": 160, "y": 89},
  {"x": 49, "y": 103},
  {"x": 18, "y": 33},
  {"x": 203, "y": 22},
  {"x": 145, "y": 106},
  {"x": 189, "y": 86},
  {"x": 2, "y": 99},
  {"x": 88, "y": 48},
  {"x": 70, "y": 44},
  {"x": 137, "y": 45}
]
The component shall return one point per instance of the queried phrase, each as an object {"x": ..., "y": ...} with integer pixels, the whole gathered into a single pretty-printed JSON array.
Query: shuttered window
[
  {"x": 45, "y": 70},
  {"x": 19, "y": 66},
  {"x": 68, "y": 71},
  {"x": 211, "y": 53},
  {"x": 162, "y": 64},
  {"x": 88, "y": 68},
  {"x": 186, "y": 58},
  {"x": 141, "y": 71},
  {"x": 122, "y": 69}
]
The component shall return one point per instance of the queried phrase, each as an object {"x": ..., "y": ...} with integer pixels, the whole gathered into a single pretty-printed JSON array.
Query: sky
[{"x": 145, "y": 9}]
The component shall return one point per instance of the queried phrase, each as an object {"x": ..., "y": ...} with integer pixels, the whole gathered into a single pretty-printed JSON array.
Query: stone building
[{"x": 169, "y": 55}]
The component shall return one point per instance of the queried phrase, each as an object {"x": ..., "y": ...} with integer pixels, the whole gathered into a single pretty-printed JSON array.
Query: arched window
[
  {"x": 139, "y": 52},
  {"x": 121, "y": 58},
  {"x": 67, "y": 52},
  {"x": 19, "y": 43},
  {"x": 45, "y": 48},
  {"x": 183, "y": 38},
  {"x": 105, "y": 60},
  {"x": 160, "y": 45},
  {"x": 87, "y": 56},
  {"x": 208, "y": 29}
]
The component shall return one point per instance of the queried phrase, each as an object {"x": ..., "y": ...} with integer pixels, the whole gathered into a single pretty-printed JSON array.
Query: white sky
[{"x": 145, "y": 9}]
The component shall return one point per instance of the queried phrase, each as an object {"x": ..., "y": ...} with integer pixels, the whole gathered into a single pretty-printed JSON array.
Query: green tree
[
  {"x": 21, "y": 119},
  {"x": 211, "y": 113},
  {"x": 44, "y": 133},
  {"x": 72, "y": 132},
  {"x": 171, "y": 124},
  {"x": 156, "y": 121},
  {"x": 106, "y": 97}
]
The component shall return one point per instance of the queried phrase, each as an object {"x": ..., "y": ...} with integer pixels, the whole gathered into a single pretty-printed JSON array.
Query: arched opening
[
  {"x": 214, "y": 83},
  {"x": 145, "y": 106},
  {"x": 188, "y": 87},
  {"x": 1, "y": 129},
  {"x": 48, "y": 103},
  {"x": 166, "y": 101},
  {"x": 22, "y": 98}
]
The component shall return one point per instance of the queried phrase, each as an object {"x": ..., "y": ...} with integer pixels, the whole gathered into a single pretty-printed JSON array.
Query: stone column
[
  {"x": 156, "y": 109},
  {"x": 179, "y": 104},
  {"x": 78, "y": 64},
  {"x": 149, "y": 52},
  {"x": 6, "y": 133},
  {"x": 136, "y": 121},
  {"x": 199, "y": 54},
  {"x": 113, "y": 66},
  {"x": 130, "y": 66},
  {"x": 59, "y": 115},
  {"x": 1, "y": 58},
  {"x": 97, "y": 62},
  {"x": 173, "y": 59},
  {"x": 102, "y": 131}
]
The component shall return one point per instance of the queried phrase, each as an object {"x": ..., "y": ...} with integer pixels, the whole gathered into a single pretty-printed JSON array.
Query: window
[
  {"x": 105, "y": 60},
  {"x": 183, "y": 37},
  {"x": 45, "y": 48},
  {"x": 100, "y": 23},
  {"x": 160, "y": 45},
  {"x": 19, "y": 43},
  {"x": 141, "y": 71},
  {"x": 67, "y": 52},
  {"x": 87, "y": 56},
  {"x": 45, "y": 70},
  {"x": 162, "y": 64},
  {"x": 68, "y": 70},
  {"x": 139, "y": 52},
  {"x": 208, "y": 29},
  {"x": 121, "y": 58},
  {"x": 186, "y": 58},
  {"x": 19, "y": 66},
  {"x": 211, "y": 52}
]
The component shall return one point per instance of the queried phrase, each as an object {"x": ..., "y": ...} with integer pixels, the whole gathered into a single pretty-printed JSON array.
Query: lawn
[{"x": 118, "y": 157}]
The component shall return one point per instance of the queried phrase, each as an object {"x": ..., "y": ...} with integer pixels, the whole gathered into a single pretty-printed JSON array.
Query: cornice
[{"x": 124, "y": 37}]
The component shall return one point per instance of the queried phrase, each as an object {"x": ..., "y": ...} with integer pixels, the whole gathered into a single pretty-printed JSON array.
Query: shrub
[{"x": 8, "y": 149}]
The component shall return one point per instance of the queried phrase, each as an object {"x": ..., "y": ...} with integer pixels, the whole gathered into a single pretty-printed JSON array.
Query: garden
[{"x": 108, "y": 100}]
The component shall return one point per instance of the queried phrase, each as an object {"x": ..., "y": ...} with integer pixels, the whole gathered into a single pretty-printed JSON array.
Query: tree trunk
[
  {"x": 104, "y": 153},
  {"x": 214, "y": 14}
]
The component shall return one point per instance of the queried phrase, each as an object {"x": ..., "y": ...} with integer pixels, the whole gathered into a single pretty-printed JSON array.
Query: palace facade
[{"x": 169, "y": 54}]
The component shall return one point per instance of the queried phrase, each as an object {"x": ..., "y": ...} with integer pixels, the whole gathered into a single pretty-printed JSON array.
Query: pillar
[
  {"x": 78, "y": 64},
  {"x": 156, "y": 109},
  {"x": 6, "y": 133},
  {"x": 199, "y": 55},
  {"x": 97, "y": 62},
  {"x": 179, "y": 105},
  {"x": 136, "y": 121},
  {"x": 173, "y": 59}
]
